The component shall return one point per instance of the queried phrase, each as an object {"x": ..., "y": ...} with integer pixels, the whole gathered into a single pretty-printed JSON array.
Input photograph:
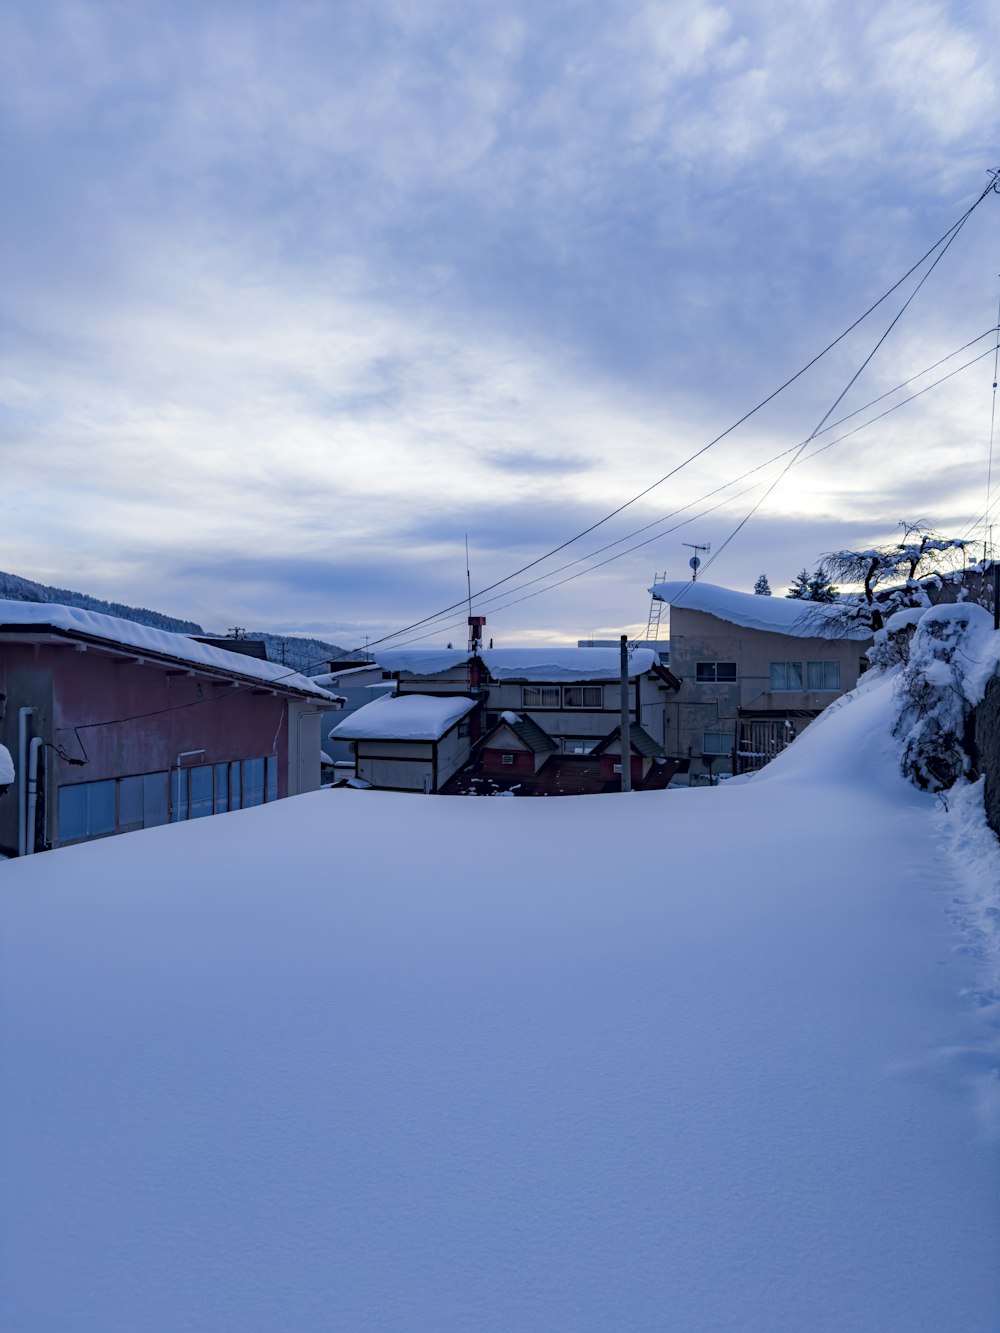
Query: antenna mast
[{"x": 695, "y": 561}]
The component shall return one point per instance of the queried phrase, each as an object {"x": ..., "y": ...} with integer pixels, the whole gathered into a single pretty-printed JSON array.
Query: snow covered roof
[
  {"x": 335, "y": 677},
  {"x": 559, "y": 664},
  {"x": 531, "y": 664},
  {"x": 404, "y": 717},
  {"x": 776, "y": 615},
  {"x": 422, "y": 661},
  {"x": 112, "y": 631},
  {"x": 6, "y": 767}
]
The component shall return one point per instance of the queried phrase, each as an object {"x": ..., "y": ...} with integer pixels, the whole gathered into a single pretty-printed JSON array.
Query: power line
[
  {"x": 944, "y": 239},
  {"x": 850, "y": 383},
  {"x": 489, "y": 601}
]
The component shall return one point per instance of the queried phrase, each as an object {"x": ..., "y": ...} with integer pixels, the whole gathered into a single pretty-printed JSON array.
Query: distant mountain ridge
[
  {"x": 299, "y": 654},
  {"x": 17, "y": 589}
]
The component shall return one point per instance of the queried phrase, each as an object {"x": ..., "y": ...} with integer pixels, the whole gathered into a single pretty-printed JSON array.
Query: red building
[{"x": 115, "y": 726}]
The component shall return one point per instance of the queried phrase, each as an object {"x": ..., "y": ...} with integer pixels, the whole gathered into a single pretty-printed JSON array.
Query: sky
[{"x": 295, "y": 297}]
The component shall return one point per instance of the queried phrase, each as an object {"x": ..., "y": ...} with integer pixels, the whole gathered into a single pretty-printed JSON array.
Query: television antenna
[{"x": 695, "y": 561}]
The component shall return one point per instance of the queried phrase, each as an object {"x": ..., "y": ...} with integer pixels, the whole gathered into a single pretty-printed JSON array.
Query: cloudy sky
[{"x": 297, "y": 295}]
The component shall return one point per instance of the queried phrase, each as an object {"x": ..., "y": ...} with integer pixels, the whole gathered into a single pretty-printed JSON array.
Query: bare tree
[{"x": 890, "y": 576}]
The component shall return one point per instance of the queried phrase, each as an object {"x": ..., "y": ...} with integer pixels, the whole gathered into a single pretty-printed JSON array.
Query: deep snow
[{"x": 711, "y": 1059}]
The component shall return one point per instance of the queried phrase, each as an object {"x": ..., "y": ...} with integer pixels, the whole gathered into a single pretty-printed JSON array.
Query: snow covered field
[{"x": 690, "y": 1060}]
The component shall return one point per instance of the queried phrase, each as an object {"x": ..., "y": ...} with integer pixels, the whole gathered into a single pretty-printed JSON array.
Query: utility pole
[{"x": 626, "y": 721}]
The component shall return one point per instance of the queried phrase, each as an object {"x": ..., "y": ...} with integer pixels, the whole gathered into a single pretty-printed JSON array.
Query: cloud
[{"x": 324, "y": 285}]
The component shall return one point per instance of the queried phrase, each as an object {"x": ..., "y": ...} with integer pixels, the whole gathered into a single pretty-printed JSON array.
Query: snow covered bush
[{"x": 950, "y": 659}]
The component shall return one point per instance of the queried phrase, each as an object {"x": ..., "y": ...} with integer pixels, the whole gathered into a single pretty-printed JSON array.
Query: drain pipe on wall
[
  {"x": 34, "y": 754},
  {"x": 22, "y": 778}
]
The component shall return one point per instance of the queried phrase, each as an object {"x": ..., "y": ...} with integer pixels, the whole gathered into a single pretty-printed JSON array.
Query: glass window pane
[
  {"x": 154, "y": 799},
  {"x": 786, "y": 675},
  {"x": 221, "y": 788},
  {"x": 253, "y": 782},
  {"x": 202, "y": 790},
  {"x": 704, "y": 671},
  {"x": 725, "y": 670},
  {"x": 235, "y": 787},
  {"x": 179, "y": 799},
  {"x": 72, "y": 812},
  {"x": 130, "y": 803},
  {"x": 824, "y": 675},
  {"x": 271, "y": 765},
  {"x": 100, "y": 807}
]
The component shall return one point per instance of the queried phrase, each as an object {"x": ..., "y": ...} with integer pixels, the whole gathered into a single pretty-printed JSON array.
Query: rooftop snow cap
[
  {"x": 528, "y": 664},
  {"x": 112, "y": 631},
  {"x": 776, "y": 615},
  {"x": 404, "y": 717}
]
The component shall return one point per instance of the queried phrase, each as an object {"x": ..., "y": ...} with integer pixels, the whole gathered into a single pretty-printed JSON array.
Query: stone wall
[{"x": 988, "y": 750}]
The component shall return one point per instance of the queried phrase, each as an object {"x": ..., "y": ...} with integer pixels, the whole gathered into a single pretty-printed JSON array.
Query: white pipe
[
  {"x": 22, "y": 777},
  {"x": 305, "y": 712},
  {"x": 34, "y": 749}
]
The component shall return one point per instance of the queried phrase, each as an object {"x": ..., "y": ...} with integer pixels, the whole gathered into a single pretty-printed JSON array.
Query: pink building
[{"x": 115, "y": 726}]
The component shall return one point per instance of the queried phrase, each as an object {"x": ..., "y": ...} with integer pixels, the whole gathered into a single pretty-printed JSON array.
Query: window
[
  {"x": 715, "y": 671},
  {"x": 539, "y": 696},
  {"x": 201, "y": 791},
  {"x": 464, "y": 729},
  {"x": 583, "y": 696},
  {"x": 786, "y": 675},
  {"x": 577, "y": 745},
  {"x": 86, "y": 810},
  {"x": 253, "y": 782},
  {"x": 212, "y": 789},
  {"x": 506, "y": 759},
  {"x": 222, "y": 789},
  {"x": 716, "y": 742},
  {"x": 823, "y": 675},
  {"x": 142, "y": 801}
]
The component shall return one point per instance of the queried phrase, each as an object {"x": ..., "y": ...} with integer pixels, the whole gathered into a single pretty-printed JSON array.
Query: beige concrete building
[{"x": 754, "y": 672}]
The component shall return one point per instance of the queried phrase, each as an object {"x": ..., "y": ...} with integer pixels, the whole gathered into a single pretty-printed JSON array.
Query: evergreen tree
[
  {"x": 800, "y": 586},
  {"x": 820, "y": 587},
  {"x": 762, "y": 588}
]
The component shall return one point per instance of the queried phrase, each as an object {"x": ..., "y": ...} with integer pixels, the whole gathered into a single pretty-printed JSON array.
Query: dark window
[
  {"x": 715, "y": 671},
  {"x": 583, "y": 696},
  {"x": 539, "y": 696}
]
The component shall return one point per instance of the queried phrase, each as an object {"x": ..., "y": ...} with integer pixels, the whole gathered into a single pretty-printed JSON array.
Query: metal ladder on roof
[{"x": 656, "y": 609}]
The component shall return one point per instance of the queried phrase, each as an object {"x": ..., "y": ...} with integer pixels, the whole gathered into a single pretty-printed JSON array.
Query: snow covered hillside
[{"x": 719, "y": 1059}]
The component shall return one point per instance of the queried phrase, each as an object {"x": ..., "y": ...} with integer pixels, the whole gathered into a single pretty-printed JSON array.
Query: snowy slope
[{"x": 502, "y": 1072}]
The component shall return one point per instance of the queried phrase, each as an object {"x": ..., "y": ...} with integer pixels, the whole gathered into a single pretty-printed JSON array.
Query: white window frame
[
  {"x": 780, "y": 670},
  {"x": 823, "y": 670}
]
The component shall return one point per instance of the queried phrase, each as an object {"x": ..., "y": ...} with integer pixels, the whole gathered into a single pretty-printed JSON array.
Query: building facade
[
  {"x": 754, "y": 672},
  {"x": 116, "y": 726}
]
